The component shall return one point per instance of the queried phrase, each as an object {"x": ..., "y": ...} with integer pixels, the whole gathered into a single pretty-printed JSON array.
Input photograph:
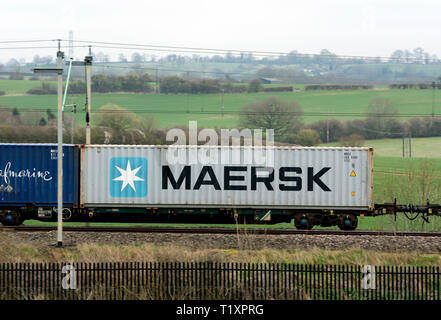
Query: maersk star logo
[{"x": 128, "y": 177}]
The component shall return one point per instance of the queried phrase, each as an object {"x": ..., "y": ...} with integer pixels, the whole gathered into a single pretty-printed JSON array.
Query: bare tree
[
  {"x": 122, "y": 58},
  {"x": 284, "y": 117},
  {"x": 255, "y": 85},
  {"x": 308, "y": 138},
  {"x": 117, "y": 118},
  {"x": 381, "y": 118},
  {"x": 31, "y": 117}
]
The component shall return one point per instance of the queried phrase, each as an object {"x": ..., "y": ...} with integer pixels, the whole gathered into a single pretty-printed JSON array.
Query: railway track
[{"x": 205, "y": 230}]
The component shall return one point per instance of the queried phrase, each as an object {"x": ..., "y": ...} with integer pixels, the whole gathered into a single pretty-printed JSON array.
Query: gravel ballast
[{"x": 236, "y": 241}]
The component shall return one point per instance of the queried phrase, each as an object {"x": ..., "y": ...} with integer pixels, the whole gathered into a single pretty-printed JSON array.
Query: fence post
[
  {"x": 438, "y": 283},
  {"x": 229, "y": 281},
  {"x": 425, "y": 283}
]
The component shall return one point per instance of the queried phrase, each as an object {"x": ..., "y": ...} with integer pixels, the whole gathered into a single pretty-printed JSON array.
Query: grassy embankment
[{"x": 31, "y": 252}]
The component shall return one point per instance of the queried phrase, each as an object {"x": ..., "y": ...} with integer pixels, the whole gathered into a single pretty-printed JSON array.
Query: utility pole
[
  {"x": 71, "y": 50},
  {"x": 74, "y": 110},
  {"x": 403, "y": 146},
  {"x": 327, "y": 128},
  {"x": 59, "y": 71},
  {"x": 188, "y": 82},
  {"x": 433, "y": 102},
  {"x": 157, "y": 82},
  {"x": 72, "y": 127},
  {"x": 223, "y": 90},
  {"x": 88, "y": 64},
  {"x": 203, "y": 95},
  {"x": 407, "y": 145},
  {"x": 60, "y": 56}
]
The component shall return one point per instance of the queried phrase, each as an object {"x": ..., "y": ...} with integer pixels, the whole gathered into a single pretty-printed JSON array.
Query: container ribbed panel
[{"x": 346, "y": 191}]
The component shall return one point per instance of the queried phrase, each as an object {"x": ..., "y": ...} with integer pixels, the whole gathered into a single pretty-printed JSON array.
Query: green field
[
  {"x": 421, "y": 147},
  {"x": 408, "y": 102},
  {"x": 19, "y": 86},
  {"x": 408, "y": 180}
]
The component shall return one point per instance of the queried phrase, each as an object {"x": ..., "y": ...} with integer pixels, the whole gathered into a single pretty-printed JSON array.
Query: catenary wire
[
  {"x": 236, "y": 51},
  {"x": 231, "y": 112},
  {"x": 182, "y": 49}
]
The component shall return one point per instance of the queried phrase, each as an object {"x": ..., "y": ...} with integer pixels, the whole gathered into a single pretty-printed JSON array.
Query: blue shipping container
[{"x": 28, "y": 175}]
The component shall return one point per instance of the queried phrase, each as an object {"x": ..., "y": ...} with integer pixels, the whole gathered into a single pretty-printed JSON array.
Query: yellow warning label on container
[
  {"x": 353, "y": 193},
  {"x": 353, "y": 173}
]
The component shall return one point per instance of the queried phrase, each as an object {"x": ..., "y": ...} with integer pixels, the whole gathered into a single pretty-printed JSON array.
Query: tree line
[
  {"x": 176, "y": 84},
  {"x": 421, "y": 86},
  {"x": 115, "y": 125},
  {"x": 168, "y": 85},
  {"x": 338, "y": 87},
  {"x": 111, "y": 124},
  {"x": 143, "y": 83},
  {"x": 103, "y": 84}
]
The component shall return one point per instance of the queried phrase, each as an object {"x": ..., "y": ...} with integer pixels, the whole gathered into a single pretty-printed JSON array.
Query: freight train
[{"x": 308, "y": 185}]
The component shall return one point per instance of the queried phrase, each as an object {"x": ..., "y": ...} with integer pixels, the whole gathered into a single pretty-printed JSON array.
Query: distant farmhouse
[{"x": 270, "y": 80}]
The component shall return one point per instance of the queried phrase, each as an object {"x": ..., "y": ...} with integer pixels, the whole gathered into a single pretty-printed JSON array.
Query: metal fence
[{"x": 150, "y": 280}]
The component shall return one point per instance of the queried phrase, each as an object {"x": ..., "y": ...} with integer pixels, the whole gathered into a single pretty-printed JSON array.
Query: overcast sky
[{"x": 346, "y": 27}]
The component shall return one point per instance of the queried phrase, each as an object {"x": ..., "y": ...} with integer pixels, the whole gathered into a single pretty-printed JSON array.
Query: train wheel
[
  {"x": 67, "y": 214},
  {"x": 11, "y": 218},
  {"x": 348, "y": 222},
  {"x": 303, "y": 222}
]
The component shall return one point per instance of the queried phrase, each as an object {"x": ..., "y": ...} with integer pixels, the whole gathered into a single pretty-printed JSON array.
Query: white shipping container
[{"x": 298, "y": 178}]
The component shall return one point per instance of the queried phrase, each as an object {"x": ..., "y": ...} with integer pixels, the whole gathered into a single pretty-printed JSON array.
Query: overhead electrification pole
[
  {"x": 74, "y": 110},
  {"x": 223, "y": 91},
  {"x": 157, "y": 82},
  {"x": 327, "y": 127},
  {"x": 88, "y": 62},
  {"x": 59, "y": 71},
  {"x": 60, "y": 56}
]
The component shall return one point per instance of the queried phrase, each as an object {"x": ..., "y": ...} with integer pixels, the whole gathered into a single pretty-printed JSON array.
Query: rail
[{"x": 224, "y": 230}]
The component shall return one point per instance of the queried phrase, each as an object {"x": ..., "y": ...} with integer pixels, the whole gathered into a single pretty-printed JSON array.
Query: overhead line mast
[{"x": 88, "y": 63}]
